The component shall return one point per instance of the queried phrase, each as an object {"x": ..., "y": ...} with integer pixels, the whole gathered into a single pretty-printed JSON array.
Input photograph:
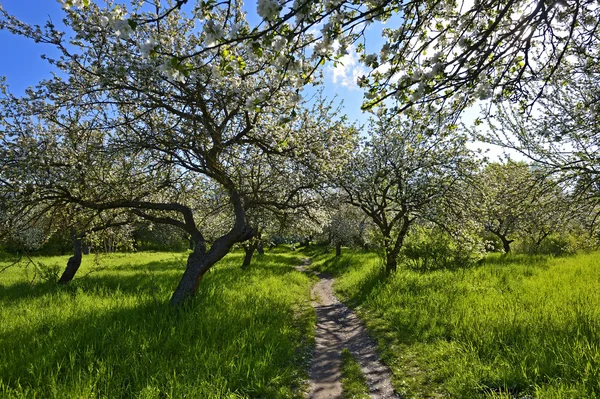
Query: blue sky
[
  {"x": 21, "y": 62},
  {"x": 23, "y": 67}
]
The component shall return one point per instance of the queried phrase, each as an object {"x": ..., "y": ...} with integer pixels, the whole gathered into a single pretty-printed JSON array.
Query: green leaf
[{"x": 132, "y": 24}]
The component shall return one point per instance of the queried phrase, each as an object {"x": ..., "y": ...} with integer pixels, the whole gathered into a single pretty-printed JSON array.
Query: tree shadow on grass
[
  {"x": 110, "y": 338},
  {"x": 206, "y": 349},
  {"x": 156, "y": 278}
]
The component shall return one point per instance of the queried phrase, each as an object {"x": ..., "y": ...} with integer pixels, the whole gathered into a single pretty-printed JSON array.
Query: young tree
[
  {"x": 347, "y": 225},
  {"x": 405, "y": 165},
  {"x": 513, "y": 200}
]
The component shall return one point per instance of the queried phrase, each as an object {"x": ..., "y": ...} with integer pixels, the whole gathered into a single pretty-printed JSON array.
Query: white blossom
[
  {"x": 268, "y": 9},
  {"x": 214, "y": 32},
  {"x": 122, "y": 29},
  {"x": 104, "y": 20},
  {"x": 279, "y": 43},
  {"x": 147, "y": 47},
  {"x": 483, "y": 91},
  {"x": 371, "y": 60}
]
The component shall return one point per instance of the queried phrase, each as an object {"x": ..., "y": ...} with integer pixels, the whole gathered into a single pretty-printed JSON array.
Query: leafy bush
[
  {"x": 431, "y": 248},
  {"x": 47, "y": 272}
]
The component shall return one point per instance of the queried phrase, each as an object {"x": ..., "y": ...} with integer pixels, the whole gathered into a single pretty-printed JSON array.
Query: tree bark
[
  {"x": 200, "y": 261},
  {"x": 505, "y": 243},
  {"x": 338, "y": 249},
  {"x": 197, "y": 266},
  {"x": 249, "y": 250},
  {"x": 393, "y": 250},
  {"x": 74, "y": 261},
  {"x": 391, "y": 261}
]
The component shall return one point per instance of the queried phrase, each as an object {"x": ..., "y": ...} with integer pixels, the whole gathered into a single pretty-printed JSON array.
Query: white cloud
[{"x": 347, "y": 70}]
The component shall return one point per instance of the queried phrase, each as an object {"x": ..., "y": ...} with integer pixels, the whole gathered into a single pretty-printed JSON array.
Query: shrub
[{"x": 431, "y": 248}]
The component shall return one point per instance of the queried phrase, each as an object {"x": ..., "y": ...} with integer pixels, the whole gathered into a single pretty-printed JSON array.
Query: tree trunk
[
  {"x": 249, "y": 250},
  {"x": 505, "y": 243},
  {"x": 73, "y": 263},
  {"x": 392, "y": 251},
  {"x": 197, "y": 266},
  {"x": 338, "y": 249},
  {"x": 200, "y": 261},
  {"x": 391, "y": 261}
]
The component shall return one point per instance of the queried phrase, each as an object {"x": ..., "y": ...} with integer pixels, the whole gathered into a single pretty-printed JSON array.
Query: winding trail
[{"x": 338, "y": 327}]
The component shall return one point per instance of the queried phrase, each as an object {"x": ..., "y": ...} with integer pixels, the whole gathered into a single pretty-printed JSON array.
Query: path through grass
[
  {"x": 510, "y": 328},
  {"x": 111, "y": 334}
]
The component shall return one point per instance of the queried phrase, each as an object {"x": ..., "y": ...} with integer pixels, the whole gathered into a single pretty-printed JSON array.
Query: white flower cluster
[
  {"x": 268, "y": 9},
  {"x": 170, "y": 72},
  {"x": 255, "y": 100},
  {"x": 371, "y": 60},
  {"x": 68, "y": 4},
  {"x": 147, "y": 47},
  {"x": 213, "y": 32},
  {"x": 419, "y": 92},
  {"x": 122, "y": 28},
  {"x": 483, "y": 91},
  {"x": 116, "y": 21}
]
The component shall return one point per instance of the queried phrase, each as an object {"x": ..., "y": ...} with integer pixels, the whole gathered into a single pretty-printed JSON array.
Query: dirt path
[{"x": 338, "y": 327}]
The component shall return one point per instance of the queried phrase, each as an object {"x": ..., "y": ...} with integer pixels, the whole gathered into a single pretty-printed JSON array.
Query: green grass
[
  {"x": 511, "y": 327},
  {"x": 111, "y": 334},
  {"x": 354, "y": 384}
]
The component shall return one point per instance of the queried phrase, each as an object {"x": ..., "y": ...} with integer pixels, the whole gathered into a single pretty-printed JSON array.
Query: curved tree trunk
[
  {"x": 505, "y": 243},
  {"x": 197, "y": 265},
  {"x": 74, "y": 261},
  {"x": 200, "y": 261},
  {"x": 392, "y": 251}
]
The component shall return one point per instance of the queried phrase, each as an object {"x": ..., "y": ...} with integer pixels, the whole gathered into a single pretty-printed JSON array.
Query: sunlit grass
[
  {"x": 111, "y": 334},
  {"x": 354, "y": 384},
  {"x": 510, "y": 327}
]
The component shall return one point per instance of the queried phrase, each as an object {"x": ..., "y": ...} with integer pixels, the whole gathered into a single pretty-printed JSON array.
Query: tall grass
[
  {"x": 111, "y": 334},
  {"x": 354, "y": 384},
  {"x": 511, "y": 327}
]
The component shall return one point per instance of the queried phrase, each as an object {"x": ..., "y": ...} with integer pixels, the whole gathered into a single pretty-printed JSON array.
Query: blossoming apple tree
[
  {"x": 407, "y": 164},
  {"x": 149, "y": 114}
]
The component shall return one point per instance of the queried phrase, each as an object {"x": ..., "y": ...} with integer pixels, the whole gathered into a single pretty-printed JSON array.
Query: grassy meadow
[
  {"x": 111, "y": 334},
  {"x": 511, "y": 327}
]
